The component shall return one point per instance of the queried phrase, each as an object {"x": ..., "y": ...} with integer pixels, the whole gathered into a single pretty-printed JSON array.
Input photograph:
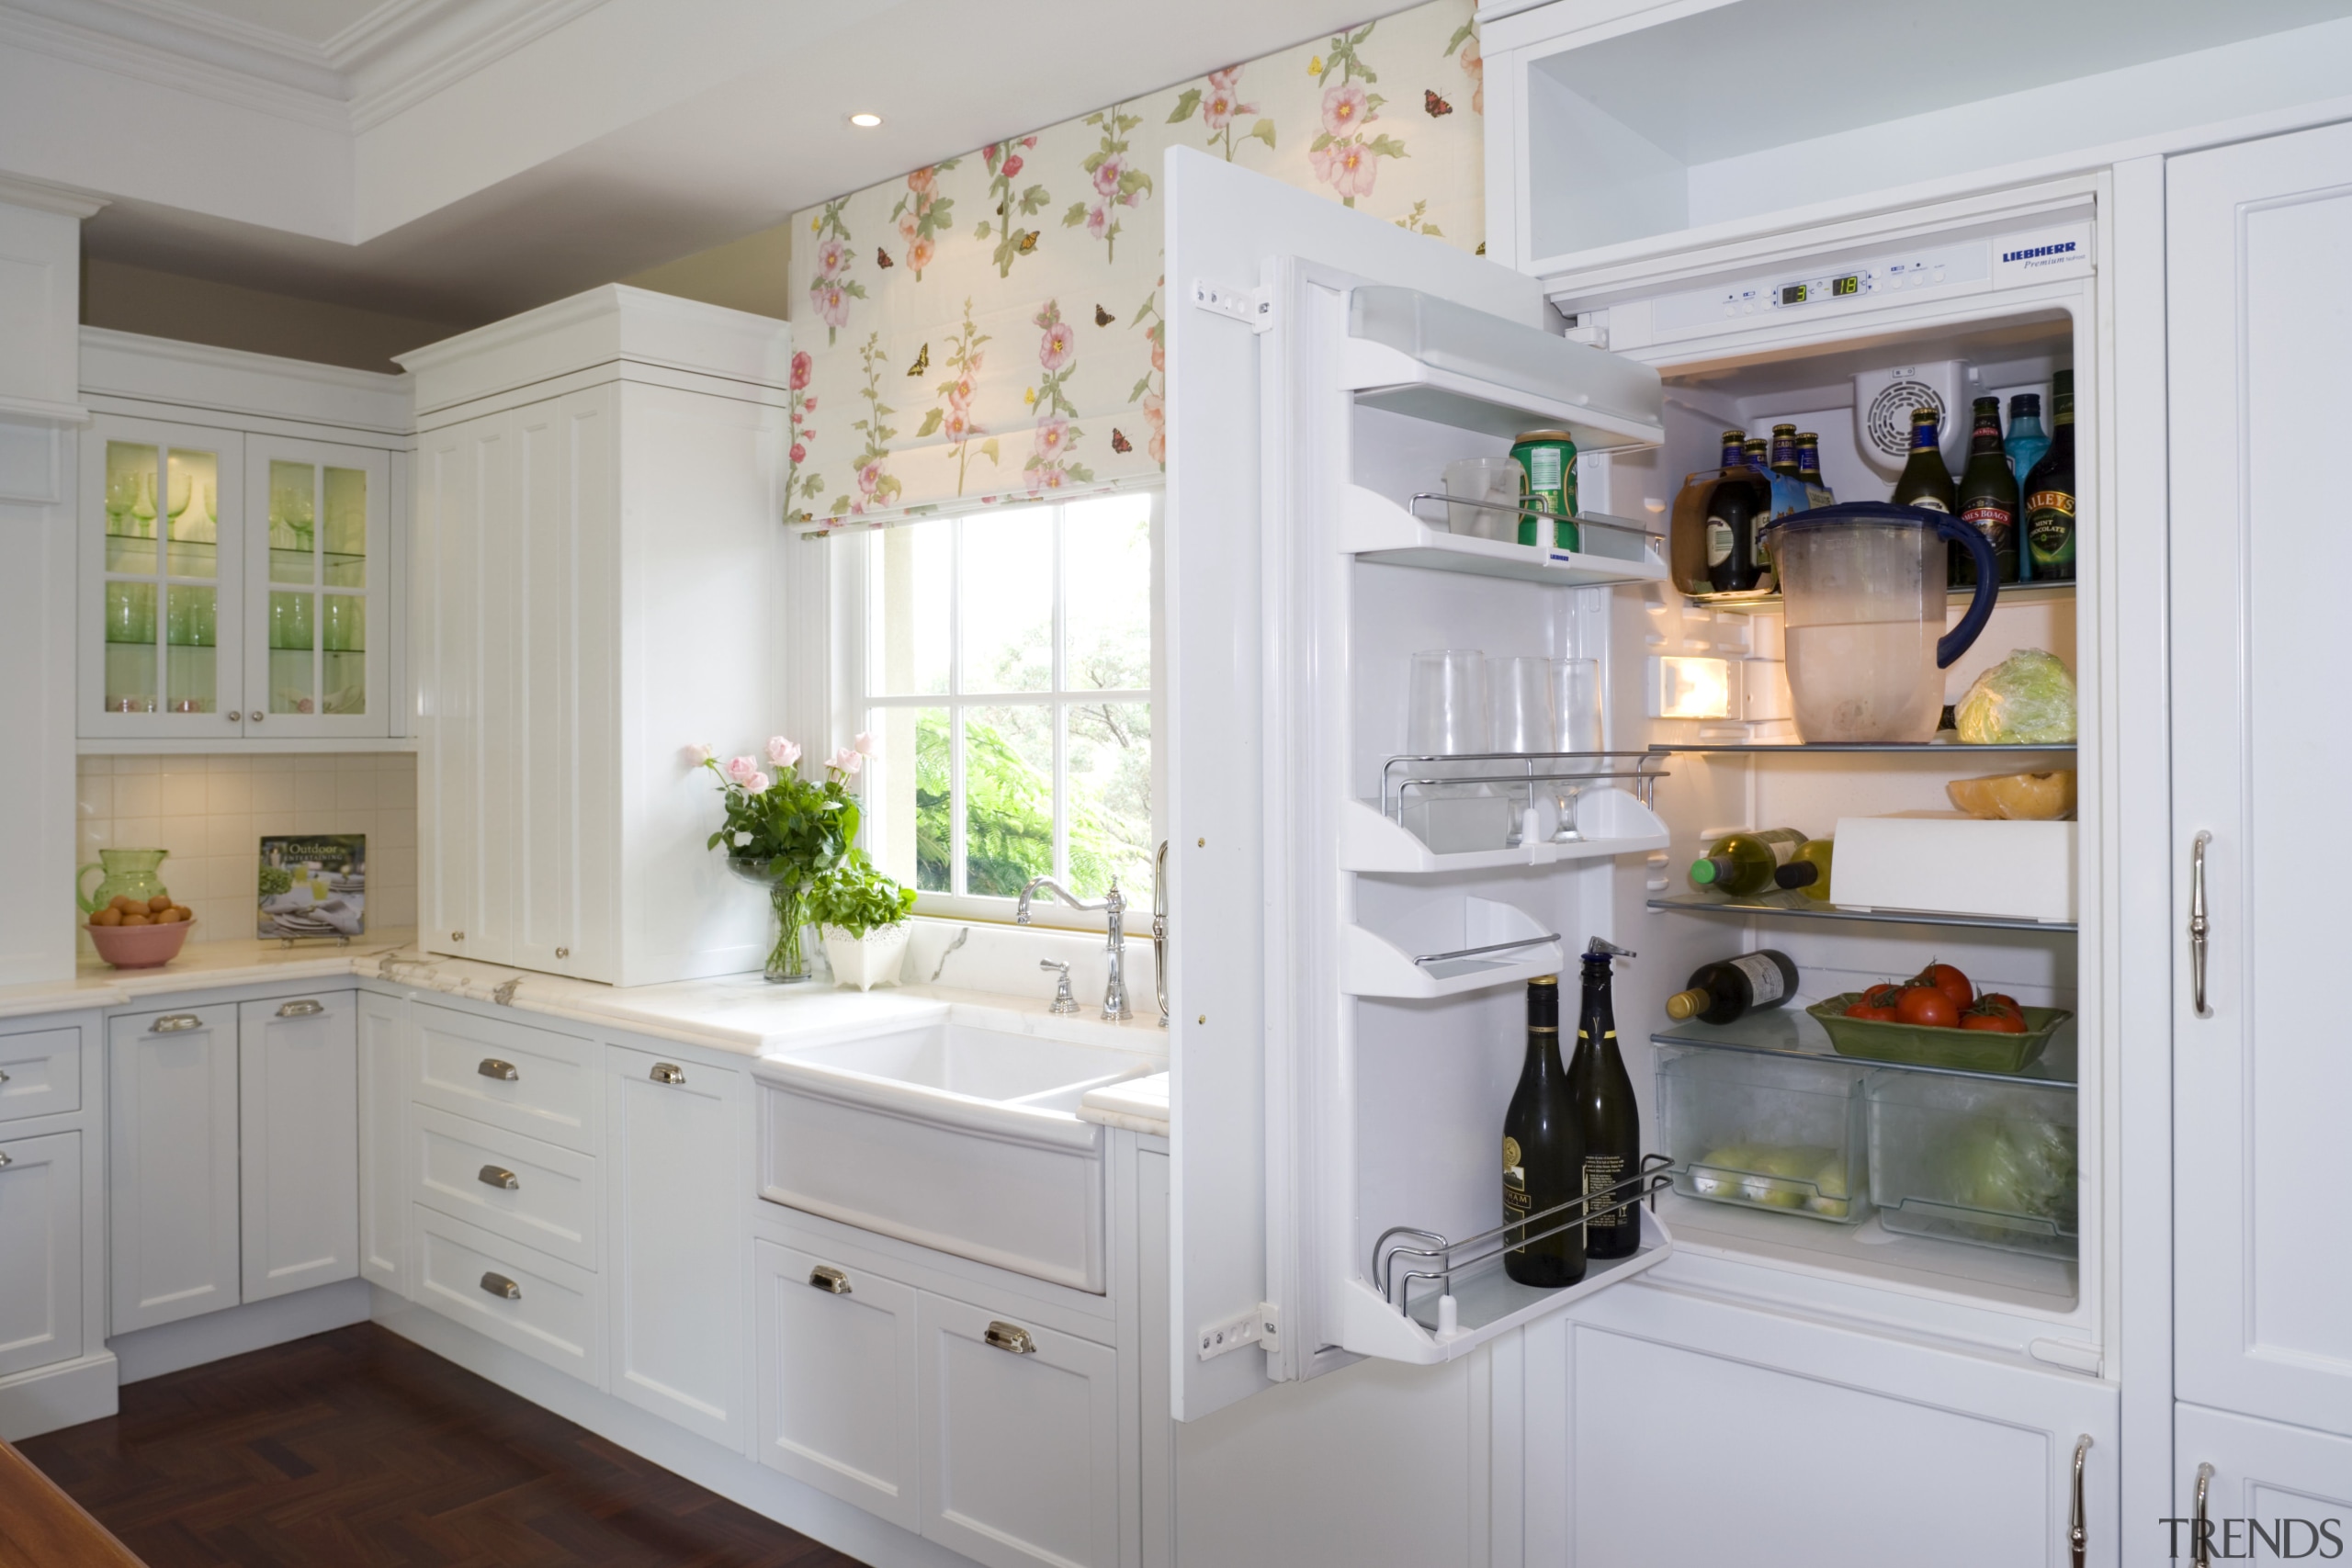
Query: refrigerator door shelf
[
  {"x": 1384, "y": 377},
  {"x": 1374, "y": 966},
  {"x": 1378, "y": 529},
  {"x": 1486, "y": 1304},
  {"x": 1613, "y": 821}
]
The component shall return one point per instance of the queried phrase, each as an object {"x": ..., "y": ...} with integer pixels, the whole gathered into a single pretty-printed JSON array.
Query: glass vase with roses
[{"x": 783, "y": 833}]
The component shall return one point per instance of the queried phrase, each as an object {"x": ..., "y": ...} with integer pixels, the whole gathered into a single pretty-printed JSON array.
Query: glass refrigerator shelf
[
  {"x": 1802, "y": 907},
  {"x": 1787, "y": 1031}
]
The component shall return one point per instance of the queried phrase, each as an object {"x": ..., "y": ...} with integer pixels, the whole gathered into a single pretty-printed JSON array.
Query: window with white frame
[{"x": 1007, "y": 673}]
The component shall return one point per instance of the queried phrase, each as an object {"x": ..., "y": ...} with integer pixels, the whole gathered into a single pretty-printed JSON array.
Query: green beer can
[{"x": 1549, "y": 457}]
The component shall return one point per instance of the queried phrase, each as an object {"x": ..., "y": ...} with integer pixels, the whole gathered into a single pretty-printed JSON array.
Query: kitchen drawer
[
  {"x": 40, "y": 1073},
  {"x": 1021, "y": 1438},
  {"x": 554, "y": 1311},
  {"x": 837, "y": 1401},
  {"x": 534, "y": 1081},
  {"x": 40, "y": 1242},
  {"x": 510, "y": 1185}
]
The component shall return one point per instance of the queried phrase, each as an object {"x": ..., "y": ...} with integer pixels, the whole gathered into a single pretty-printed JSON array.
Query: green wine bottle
[
  {"x": 1608, "y": 1117},
  {"x": 1543, "y": 1151},
  {"x": 1925, "y": 481},
  {"x": 1743, "y": 863}
]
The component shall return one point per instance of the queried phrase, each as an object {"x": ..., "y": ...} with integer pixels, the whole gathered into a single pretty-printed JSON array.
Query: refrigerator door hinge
[
  {"x": 1257, "y": 1327},
  {"x": 1253, "y": 306}
]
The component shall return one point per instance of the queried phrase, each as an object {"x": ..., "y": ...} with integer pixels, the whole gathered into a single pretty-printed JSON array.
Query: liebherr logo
[
  {"x": 2033, "y": 252},
  {"x": 2284, "y": 1538}
]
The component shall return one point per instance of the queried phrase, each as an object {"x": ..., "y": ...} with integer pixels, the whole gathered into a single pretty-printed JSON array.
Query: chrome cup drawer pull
[
  {"x": 825, "y": 1277},
  {"x": 665, "y": 1072},
  {"x": 306, "y": 1008},
  {"x": 498, "y": 1176},
  {"x": 173, "y": 1023},
  {"x": 491, "y": 1067},
  {"x": 499, "y": 1285},
  {"x": 1010, "y": 1336},
  {"x": 5, "y": 1161}
]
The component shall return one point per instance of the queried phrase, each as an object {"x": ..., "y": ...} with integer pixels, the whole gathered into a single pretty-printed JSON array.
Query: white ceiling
[{"x": 499, "y": 153}]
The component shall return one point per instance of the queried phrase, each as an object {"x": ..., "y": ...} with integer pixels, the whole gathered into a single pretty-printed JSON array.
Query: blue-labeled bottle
[{"x": 2026, "y": 443}]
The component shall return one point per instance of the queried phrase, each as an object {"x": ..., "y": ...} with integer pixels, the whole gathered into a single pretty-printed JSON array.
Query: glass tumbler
[
  {"x": 1524, "y": 721},
  {"x": 1497, "y": 482},
  {"x": 1445, "y": 706},
  {"x": 1576, "y": 720}
]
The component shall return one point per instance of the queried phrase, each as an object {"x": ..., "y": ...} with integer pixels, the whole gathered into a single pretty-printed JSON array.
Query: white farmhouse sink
[{"x": 950, "y": 1134}]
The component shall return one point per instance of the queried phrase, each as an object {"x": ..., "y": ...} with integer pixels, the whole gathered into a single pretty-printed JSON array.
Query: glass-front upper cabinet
[{"x": 228, "y": 584}]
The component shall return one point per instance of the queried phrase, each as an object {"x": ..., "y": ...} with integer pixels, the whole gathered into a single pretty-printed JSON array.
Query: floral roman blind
[{"x": 990, "y": 328}]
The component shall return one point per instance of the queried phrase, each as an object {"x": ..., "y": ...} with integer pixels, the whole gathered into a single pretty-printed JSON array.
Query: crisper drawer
[
  {"x": 40, "y": 1073},
  {"x": 534, "y": 1081},
  {"x": 1975, "y": 1160},
  {"x": 510, "y": 1185},
  {"x": 540, "y": 1305},
  {"x": 1782, "y": 1133}
]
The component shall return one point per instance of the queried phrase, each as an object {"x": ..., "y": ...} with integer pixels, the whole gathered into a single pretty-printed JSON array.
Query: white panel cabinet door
[
  {"x": 385, "y": 1042},
  {"x": 299, "y": 1142},
  {"x": 1021, "y": 1441},
  {"x": 460, "y": 474},
  {"x": 40, "y": 1239},
  {"x": 2276, "y": 1492},
  {"x": 2260, "y": 334},
  {"x": 172, "y": 1165},
  {"x": 837, "y": 1405},
  {"x": 678, "y": 1170}
]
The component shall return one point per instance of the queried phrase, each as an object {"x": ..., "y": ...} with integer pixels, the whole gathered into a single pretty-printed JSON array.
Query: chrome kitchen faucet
[{"x": 1114, "y": 993}]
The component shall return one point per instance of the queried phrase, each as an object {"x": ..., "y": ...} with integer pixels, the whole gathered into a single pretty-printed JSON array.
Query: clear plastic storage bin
[
  {"x": 1972, "y": 1161},
  {"x": 1773, "y": 1133}
]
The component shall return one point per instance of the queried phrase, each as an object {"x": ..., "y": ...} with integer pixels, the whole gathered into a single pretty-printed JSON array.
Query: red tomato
[
  {"x": 1875, "y": 1014},
  {"x": 1927, "y": 1005},
  {"x": 1948, "y": 980},
  {"x": 1882, "y": 996},
  {"x": 1991, "y": 1016},
  {"x": 2002, "y": 998}
]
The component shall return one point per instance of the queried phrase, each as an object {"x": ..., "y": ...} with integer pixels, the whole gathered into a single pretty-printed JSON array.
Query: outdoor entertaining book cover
[{"x": 314, "y": 886}]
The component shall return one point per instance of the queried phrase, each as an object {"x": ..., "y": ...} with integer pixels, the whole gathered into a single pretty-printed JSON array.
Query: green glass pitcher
[{"x": 130, "y": 874}]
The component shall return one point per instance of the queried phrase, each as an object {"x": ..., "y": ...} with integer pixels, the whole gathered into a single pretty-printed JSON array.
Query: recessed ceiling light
[{"x": 865, "y": 121}]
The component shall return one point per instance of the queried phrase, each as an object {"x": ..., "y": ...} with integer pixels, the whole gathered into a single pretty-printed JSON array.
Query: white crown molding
[
  {"x": 42, "y": 197},
  {"x": 236, "y": 382},
  {"x": 115, "y": 36},
  {"x": 41, "y": 411},
  {"x": 410, "y": 49}
]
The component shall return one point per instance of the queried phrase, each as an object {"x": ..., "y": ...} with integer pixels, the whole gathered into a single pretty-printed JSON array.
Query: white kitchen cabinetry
[
  {"x": 2258, "y": 339},
  {"x": 539, "y": 1082},
  {"x": 598, "y": 546},
  {"x": 241, "y": 582},
  {"x": 677, "y": 1145},
  {"x": 172, "y": 1164},
  {"x": 40, "y": 1237},
  {"x": 40, "y": 1074},
  {"x": 2264, "y": 1475},
  {"x": 386, "y": 1044},
  {"x": 297, "y": 1081},
  {"x": 836, "y": 1366},
  {"x": 517, "y": 1295},
  {"x": 1020, "y": 1434}
]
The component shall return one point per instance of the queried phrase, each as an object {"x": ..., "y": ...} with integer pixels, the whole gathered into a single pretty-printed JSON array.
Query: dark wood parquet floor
[{"x": 357, "y": 1448}]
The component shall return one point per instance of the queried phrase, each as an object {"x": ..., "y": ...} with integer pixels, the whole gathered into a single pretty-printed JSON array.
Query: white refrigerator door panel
[
  {"x": 2260, "y": 332},
  {"x": 1228, "y": 229}
]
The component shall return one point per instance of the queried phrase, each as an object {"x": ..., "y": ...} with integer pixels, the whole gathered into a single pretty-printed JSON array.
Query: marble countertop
[{"x": 1139, "y": 1105}]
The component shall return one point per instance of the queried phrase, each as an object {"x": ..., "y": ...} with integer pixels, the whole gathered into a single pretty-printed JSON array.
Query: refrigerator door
[{"x": 1252, "y": 988}]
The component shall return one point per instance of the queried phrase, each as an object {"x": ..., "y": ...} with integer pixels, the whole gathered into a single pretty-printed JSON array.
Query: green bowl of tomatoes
[{"x": 1924, "y": 1024}]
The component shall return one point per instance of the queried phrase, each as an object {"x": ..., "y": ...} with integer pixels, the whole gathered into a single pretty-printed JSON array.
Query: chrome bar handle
[
  {"x": 2200, "y": 928},
  {"x": 501, "y": 1287},
  {"x": 175, "y": 1023},
  {"x": 2078, "y": 1540},
  {"x": 1160, "y": 929},
  {"x": 2201, "y": 1543},
  {"x": 306, "y": 1008},
  {"x": 1004, "y": 1335},
  {"x": 1490, "y": 947},
  {"x": 831, "y": 1280},
  {"x": 491, "y": 1067}
]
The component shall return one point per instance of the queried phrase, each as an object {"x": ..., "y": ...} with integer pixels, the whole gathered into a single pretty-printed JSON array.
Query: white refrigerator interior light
[{"x": 1685, "y": 687}]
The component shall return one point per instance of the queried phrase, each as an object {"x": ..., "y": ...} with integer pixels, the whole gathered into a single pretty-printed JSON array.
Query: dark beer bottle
[
  {"x": 1925, "y": 481},
  {"x": 1988, "y": 496},
  {"x": 1784, "y": 450},
  {"x": 2050, "y": 490}
]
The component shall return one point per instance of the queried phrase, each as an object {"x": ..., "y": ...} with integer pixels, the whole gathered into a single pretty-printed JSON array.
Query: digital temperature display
[
  {"x": 1792, "y": 294},
  {"x": 1849, "y": 283},
  {"x": 1829, "y": 288}
]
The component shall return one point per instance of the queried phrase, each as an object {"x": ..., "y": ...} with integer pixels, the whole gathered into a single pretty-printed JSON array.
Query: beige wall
[
  {"x": 196, "y": 309},
  {"x": 748, "y": 273}
]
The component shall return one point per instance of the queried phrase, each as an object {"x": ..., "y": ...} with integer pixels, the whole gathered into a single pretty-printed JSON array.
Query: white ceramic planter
[{"x": 866, "y": 960}]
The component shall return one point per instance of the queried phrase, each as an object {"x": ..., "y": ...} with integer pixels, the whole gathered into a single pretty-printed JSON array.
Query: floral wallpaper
[{"x": 990, "y": 328}]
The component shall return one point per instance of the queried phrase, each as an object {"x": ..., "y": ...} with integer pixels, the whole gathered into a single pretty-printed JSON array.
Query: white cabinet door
[
  {"x": 1021, "y": 1440},
  {"x": 40, "y": 1238},
  {"x": 318, "y": 565},
  {"x": 2259, "y": 339},
  {"x": 385, "y": 1044},
  {"x": 40, "y": 1073},
  {"x": 837, "y": 1403},
  {"x": 172, "y": 1165},
  {"x": 2277, "y": 1492},
  {"x": 678, "y": 1167},
  {"x": 161, "y": 581},
  {"x": 299, "y": 1142},
  {"x": 1702, "y": 1432},
  {"x": 464, "y": 477}
]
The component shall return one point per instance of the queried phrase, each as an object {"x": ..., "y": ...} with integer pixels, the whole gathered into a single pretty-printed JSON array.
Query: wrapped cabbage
[
  {"x": 2026, "y": 699},
  {"x": 2015, "y": 1165}
]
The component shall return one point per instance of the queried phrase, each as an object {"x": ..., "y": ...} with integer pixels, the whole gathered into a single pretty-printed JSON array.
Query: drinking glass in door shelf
[
  {"x": 316, "y": 569},
  {"x": 161, "y": 581}
]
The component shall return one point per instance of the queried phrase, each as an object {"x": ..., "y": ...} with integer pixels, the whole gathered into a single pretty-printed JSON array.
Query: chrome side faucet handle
[{"x": 1063, "y": 1000}]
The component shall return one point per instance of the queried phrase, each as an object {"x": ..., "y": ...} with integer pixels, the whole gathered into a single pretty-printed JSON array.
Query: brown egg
[
  {"x": 182, "y": 912},
  {"x": 124, "y": 903},
  {"x": 138, "y": 920},
  {"x": 159, "y": 903},
  {"x": 109, "y": 916}
]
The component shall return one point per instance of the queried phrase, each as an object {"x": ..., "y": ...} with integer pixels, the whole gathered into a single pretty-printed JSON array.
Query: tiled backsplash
[{"x": 211, "y": 813}]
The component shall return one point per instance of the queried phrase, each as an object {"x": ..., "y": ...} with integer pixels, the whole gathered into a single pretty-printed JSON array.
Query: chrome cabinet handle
[
  {"x": 491, "y": 1067},
  {"x": 4, "y": 1160},
  {"x": 256, "y": 715},
  {"x": 2200, "y": 1542},
  {"x": 498, "y": 1176},
  {"x": 2078, "y": 1540},
  {"x": 827, "y": 1278},
  {"x": 499, "y": 1285},
  {"x": 456, "y": 936},
  {"x": 303, "y": 1008},
  {"x": 2200, "y": 928},
  {"x": 175, "y": 1023},
  {"x": 667, "y": 1072},
  {"x": 563, "y": 952},
  {"x": 3, "y": 1078},
  {"x": 233, "y": 717},
  {"x": 1009, "y": 1337}
]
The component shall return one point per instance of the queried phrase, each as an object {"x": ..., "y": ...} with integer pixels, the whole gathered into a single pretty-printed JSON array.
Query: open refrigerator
[{"x": 1348, "y": 980}]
